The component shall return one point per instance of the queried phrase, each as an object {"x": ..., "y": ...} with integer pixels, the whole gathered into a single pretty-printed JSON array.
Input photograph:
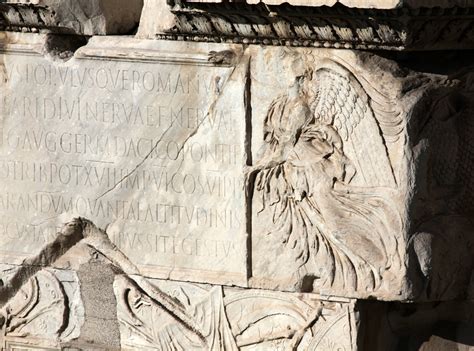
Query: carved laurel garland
[
  {"x": 337, "y": 26},
  {"x": 19, "y": 17}
]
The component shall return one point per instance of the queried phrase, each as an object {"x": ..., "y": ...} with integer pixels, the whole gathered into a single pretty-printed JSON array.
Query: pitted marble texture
[
  {"x": 304, "y": 170},
  {"x": 141, "y": 143},
  {"x": 237, "y": 197},
  {"x": 158, "y": 314}
]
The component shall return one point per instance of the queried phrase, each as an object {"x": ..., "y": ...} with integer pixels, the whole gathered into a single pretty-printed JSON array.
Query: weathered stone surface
[
  {"x": 165, "y": 315},
  {"x": 353, "y": 183},
  {"x": 140, "y": 143},
  {"x": 149, "y": 26},
  {"x": 87, "y": 17},
  {"x": 372, "y": 4},
  {"x": 221, "y": 195},
  {"x": 234, "y": 319},
  {"x": 375, "y": 25},
  {"x": 198, "y": 163},
  {"x": 362, "y": 4},
  {"x": 46, "y": 311},
  {"x": 229, "y": 318}
]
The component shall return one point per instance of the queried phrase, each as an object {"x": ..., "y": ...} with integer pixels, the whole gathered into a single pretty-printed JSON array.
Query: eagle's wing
[{"x": 341, "y": 101}]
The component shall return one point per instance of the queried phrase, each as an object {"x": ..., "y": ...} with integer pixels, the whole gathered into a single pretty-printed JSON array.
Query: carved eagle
[{"x": 326, "y": 179}]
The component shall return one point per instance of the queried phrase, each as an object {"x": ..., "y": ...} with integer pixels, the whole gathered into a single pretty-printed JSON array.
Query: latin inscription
[
  {"x": 152, "y": 80},
  {"x": 109, "y": 112},
  {"x": 102, "y": 175},
  {"x": 142, "y": 148},
  {"x": 57, "y": 203}
]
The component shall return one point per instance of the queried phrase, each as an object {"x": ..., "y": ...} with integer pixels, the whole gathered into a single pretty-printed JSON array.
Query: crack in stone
[
  {"x": 193, "y": 133},
  {"x": 82, "y": 230},
  {"x": 147, "y": 156}
]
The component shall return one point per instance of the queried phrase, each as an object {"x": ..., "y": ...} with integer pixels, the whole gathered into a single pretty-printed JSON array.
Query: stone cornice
[
  {"x": 28, "y": 18},
  {"x": 400, "y": 28},
  {"x": 81, "y": 17},
  {"x": 338, "y": 26}
]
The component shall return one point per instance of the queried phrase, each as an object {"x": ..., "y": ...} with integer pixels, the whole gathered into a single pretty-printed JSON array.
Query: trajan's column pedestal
[{"x": 223, "y": 176}]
